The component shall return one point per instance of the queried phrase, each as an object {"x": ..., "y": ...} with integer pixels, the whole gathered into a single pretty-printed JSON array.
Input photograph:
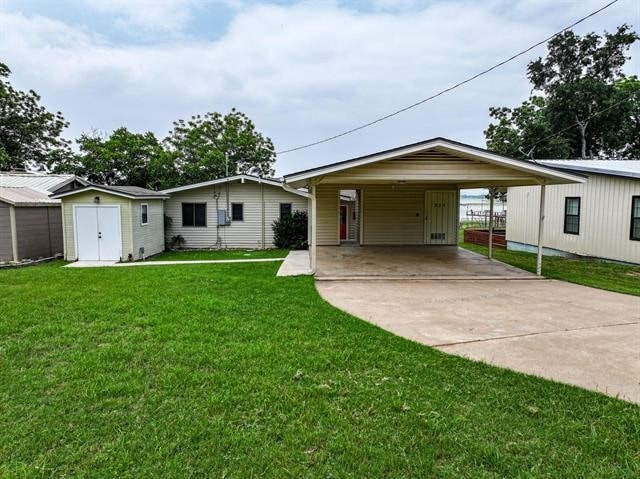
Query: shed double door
[{"x": 98, "y": 235}]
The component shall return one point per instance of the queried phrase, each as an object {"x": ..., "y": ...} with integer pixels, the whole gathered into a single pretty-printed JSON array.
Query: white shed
[{"x": 599, "y": 218}]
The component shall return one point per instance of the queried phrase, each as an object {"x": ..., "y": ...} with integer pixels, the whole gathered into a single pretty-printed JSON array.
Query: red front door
[{"x": 343, "y": 223}]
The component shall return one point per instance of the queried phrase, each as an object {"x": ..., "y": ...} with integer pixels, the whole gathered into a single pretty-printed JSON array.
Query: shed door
[
  {"x": 98, "y": 233},
  {"x": 440, "y": 217}
]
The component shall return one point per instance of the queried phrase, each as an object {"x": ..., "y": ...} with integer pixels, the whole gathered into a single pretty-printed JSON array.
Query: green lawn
[
  {"x": 228, "y": 371},
  {"x": 598, "y": 274},
  {"x": 219, "y": 254}
]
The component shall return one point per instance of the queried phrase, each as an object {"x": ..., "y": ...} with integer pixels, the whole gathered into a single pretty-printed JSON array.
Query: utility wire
[
  {"x": 573, "y": 125},
  {"x": 453, "y": 87}
]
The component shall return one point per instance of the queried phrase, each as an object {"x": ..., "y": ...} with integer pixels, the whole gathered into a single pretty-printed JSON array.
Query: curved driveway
[{"x": 561, "y": 331}]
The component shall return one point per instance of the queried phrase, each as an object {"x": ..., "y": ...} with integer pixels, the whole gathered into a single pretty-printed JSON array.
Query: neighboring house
[
  {"x": 30, "y": 221},
  {"x": 599, "y": 218},
  {"x": 112, "y": 223},
  {"x": 232, "y": 212}
]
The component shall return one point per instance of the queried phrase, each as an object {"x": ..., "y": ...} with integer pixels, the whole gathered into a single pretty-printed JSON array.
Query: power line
[
  {"x": 573, "y": 125},
  {"x": 446, "y": 90}
]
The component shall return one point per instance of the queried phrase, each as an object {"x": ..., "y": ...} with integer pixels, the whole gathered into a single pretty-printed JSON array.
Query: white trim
[
  {"x": 486, "y": 156},
  {"x": 75, "y": 226},
  {"x": 230, "y": 179},
  {"x": 141, "y": 205},
  {"x": 161, "y": 196},
  {"x": 14, "y": 233}
]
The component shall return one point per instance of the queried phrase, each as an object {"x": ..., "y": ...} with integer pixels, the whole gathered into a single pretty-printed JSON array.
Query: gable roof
[
  {"x": 623, "y": 168},
  {"x": 438, "y": 142},
  {"x": 231, "y": 179},
  {"x": 132, "y": 192},
  {"x": 35, "y": 181},
  {"x": 25, "y": 196}
]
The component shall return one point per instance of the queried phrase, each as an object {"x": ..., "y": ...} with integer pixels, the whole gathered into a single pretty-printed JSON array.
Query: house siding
[
  {"x": 149, "y": 236},
  {"x": 86, "y": 198},
  {"x": 6, "y": 248},
  {"x": 328, "y": 215},
  {"x": 605, "y": 218},
  {"x": 251, "y": 232},
  {"x": 39, "y": 231}
]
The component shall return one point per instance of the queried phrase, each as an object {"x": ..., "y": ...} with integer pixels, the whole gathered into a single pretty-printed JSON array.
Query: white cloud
[
  {"x": 150, "y": 15},
  {"x": 301, "y": 72}
]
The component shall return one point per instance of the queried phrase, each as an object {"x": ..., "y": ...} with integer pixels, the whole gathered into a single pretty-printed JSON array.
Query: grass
[
  {"x": 193, "y": 255},
  {"x": 616, "y": 277},
  {"x": 227, "y": 371}
]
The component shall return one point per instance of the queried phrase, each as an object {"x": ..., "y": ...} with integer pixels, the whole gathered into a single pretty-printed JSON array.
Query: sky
[{"x": 301, "y": 71}]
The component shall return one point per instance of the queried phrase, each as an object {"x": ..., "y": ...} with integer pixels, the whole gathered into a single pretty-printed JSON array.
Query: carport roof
[{"x": 454, "y": 149}]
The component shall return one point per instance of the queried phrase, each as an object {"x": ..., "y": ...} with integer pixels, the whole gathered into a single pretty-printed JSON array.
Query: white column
[
  {"x": 14, "y": 233},
  {"x": 490, "y": 223},
  {"x": 314, "y": 237},
  {"x": 540, "y": 231}
]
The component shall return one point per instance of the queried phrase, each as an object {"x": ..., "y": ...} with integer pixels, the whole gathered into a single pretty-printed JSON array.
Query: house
[
  {"x": 409, "y": 196},
  {"x": 598, "y": 218},
  {"x": 30, "y": 221},
  {"x": 232, "y": 212},
  {"x": 111, "y": 223}
]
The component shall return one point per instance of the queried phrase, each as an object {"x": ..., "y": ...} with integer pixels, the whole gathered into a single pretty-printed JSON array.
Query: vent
[{"x": 437, "y": 236}]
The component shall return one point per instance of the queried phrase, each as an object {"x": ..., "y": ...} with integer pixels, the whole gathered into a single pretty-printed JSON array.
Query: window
[
  {"x": 144, "y": 214},
  {"x": 635, "y": 218},
  {"x": 194, "y": 214},
  {"x": 285, "y": 209},
  {"x": 237, "y": 212},
  {"x": 572, "y": 215}
]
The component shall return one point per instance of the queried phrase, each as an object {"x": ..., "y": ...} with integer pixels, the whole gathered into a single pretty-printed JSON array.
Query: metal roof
[
  {"x": 626, "y": 168},
  {"x": 229, "y": 179},
  {"x": 36, "y": 181},
  {"x": 25, "y": 196},
  {"x": 133, "y": 192}
]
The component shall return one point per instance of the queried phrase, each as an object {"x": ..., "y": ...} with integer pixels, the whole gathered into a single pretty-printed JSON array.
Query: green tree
[
  {"x": 200, "y": 144},
  {"x": 122, "y": 158},
  {"x": 581, "y": 100},
  {"x": 29, "y": 134},
  {"x": 625, "y": 140}
]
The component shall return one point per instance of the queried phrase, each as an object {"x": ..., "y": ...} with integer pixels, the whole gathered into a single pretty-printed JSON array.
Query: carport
[{"x": 409, "y": 197}]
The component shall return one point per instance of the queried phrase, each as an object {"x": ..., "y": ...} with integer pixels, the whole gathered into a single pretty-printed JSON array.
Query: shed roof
[
  {"x": 36, "y": 181},
  {"x": 132, "y": 192},
  {"x": 624, "y": 168},
  {"x": 25, "y": 196}
]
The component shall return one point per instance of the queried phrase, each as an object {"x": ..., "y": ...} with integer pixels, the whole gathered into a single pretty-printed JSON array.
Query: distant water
[{"x": 468, "y": 204}]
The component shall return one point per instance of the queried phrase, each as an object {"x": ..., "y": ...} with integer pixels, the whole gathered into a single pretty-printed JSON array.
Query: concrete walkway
[
  {"x": 561, "y": 331},
  {"x": 96, "y": 264},
  {"x": 296, "y": 263}
]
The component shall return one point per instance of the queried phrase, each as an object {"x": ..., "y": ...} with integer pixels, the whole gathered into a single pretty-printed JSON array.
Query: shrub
[{"x": 290, "y": 232}]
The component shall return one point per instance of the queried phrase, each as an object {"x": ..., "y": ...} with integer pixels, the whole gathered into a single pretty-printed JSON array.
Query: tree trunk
[{"x": 582, "y": 127}]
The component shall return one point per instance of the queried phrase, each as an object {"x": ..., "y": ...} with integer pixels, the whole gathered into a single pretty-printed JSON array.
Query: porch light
[{"x": 96, "y": 199}]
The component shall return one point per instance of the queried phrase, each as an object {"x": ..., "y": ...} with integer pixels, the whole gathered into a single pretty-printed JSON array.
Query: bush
[{"x": 290, "y": 232}]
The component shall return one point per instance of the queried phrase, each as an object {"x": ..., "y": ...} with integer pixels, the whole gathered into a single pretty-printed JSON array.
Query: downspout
[
  {"x": 262, "y": 206},
  {"x": 14, "y": 232}
]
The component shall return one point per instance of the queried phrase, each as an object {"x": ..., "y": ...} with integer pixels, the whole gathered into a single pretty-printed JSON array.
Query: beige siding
[
  {"x": 149, "y": 236},
  {"x": 38, "y": 231},
  {"x": 605, "y": 216},
  {"x": 6, "y": 250},
  {"x": 86, "y": 198},
  {"x": 328, "y": 212},
  {"x": 252, "y": 232},
  {"x": 393, "y": 215}
]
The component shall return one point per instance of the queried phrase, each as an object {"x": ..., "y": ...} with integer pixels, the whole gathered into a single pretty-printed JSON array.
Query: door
[
  {"x": 440, "y": 217},
  {"x": 97, "y": 233},
  {"x": 343, "y": 222}
]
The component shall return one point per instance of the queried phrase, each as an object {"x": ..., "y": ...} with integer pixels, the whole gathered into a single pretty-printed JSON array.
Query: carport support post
[
  {"x": 490, "y": 223},
  {"x": 540, "y": 231},
  {"x": 314, "y": 236}
]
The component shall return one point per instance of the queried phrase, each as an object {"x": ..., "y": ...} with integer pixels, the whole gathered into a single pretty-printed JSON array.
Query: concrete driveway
[{"x": 557, "y": 330}]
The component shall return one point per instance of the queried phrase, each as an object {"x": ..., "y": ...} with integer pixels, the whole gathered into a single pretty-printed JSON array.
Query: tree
[
  {"x": 29, "y": 134},
  {"x": 199, "y": 145},
  {"x": 123, "y": 158},
  {"x": 625, "y": 140},
  {"x": 581, "y": 101}
]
